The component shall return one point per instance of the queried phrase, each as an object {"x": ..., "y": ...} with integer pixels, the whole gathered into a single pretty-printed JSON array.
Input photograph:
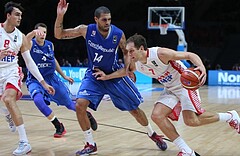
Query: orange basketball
[{"x": 190, "y": 79}]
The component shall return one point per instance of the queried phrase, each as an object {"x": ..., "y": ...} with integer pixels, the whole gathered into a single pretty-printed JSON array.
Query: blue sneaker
[
  {"x": 159, "y": 141},
  {"x": 87, "y": 150}
]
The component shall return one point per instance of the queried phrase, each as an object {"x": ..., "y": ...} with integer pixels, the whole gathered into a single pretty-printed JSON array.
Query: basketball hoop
[{"x": 163, "y": 29}]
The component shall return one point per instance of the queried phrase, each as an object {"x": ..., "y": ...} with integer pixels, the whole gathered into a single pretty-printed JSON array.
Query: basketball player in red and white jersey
[
  {"x": 163, "y": 64},
  {"x": 12, "y": 41}
]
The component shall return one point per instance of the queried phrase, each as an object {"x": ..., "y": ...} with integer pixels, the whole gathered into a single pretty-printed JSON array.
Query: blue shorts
[
  {"x": 62, "y": 94},
  {"x": 123, "y": 92}
]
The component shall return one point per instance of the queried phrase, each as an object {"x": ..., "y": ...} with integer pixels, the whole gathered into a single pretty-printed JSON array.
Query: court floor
[{"x": 119, "y": 134}]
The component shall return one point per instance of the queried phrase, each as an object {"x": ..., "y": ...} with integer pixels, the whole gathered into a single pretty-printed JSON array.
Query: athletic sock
[
  {"x": 149, "y": 129},
  {"x": 180, "y": 143},
  {"x": 224, "y": 116},
  {"x": 22, "y": 133},
  {"x": 89, "y": 137}
]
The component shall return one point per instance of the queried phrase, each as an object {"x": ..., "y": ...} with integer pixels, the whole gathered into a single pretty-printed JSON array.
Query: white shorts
[
  {"x": 188, "y": 100},
  {"x": 13, "y": 76}
]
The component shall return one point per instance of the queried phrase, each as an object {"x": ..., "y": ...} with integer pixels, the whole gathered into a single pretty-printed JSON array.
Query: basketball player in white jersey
[
  {"x": 163, "y": 64},
  {"x": 11, "y": 42}
]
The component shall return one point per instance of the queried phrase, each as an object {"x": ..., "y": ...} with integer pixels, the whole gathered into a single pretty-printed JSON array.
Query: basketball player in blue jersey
[
  {"x": 42, "y": 52},
  {"x": 102, "y": 41}
]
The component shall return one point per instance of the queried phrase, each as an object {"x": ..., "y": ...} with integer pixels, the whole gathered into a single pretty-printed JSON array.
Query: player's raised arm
[{"x": 70, "y": 33}]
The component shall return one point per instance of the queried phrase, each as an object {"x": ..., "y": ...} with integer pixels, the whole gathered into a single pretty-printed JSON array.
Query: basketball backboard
[{"x": 174, "y": 17}]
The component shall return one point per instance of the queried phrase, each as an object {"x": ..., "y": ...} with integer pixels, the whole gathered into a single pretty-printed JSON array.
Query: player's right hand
[{"x": 62, "y": 7}]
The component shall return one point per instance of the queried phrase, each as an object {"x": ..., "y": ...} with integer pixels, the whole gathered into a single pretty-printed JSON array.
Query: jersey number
[
  {"x": 6, "y": 43},
  {"x": 97, "y": 58},
  {"x": 151, "y": 70}
]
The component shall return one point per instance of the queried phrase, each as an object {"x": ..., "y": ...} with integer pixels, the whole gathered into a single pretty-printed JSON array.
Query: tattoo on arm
[{"x": 60, "y": 26}]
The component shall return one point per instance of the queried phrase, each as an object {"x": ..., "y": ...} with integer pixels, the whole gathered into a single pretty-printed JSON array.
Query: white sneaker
[
  {"x": 234, "y": 121},
  {"x": 10, "y": 122},
  {"x": 184, "y": 153},
  {"x": 23, "y": 148}
]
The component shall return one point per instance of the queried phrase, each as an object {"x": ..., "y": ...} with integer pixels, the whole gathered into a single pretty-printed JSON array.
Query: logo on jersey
[
  {"x": 93, "y": 33},
  {"x": 100, "y": 47},
  {"x": 115, "y": 39},
  {"x": 15, "y": 38},
  {"x": 164, "y": 78},
  {"x": 154, "y": 63}
]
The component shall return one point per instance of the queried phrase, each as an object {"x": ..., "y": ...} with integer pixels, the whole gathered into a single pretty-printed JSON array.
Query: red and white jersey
[
  {"x": 166, "y": 74},
  {"x": 14, "y": 42}
]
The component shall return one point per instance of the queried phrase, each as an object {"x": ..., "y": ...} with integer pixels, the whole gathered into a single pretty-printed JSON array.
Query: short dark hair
[
  {"x": 10, "y": 5},
  {"x": 138, "y": 41},
  {"x": 100, "y": 10},
  {"x": 40, "y": 25}
]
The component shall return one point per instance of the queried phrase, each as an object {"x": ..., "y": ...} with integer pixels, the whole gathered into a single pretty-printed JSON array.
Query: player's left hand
[
  {"x": 69, "y": 79},
  {"x": 203, "y": 75},
  {"x": 100, "y": 75},
  {"x": 49, "y": 88}
]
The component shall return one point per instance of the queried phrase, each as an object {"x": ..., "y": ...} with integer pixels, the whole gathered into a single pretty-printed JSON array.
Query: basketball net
[{"x": 163, "y": 29}]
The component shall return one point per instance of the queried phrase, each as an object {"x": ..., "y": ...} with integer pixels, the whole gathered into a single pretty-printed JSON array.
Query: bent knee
[
  {"x": 82, "y": 104},
  {"x": 192, "y": 122},
  {"x": 8, "y": 100},
  {"x": 158, "y": 117}
]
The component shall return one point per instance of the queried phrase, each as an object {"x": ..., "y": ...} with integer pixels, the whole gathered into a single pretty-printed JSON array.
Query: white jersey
[
  {"x": 166, "y": 74},
  {"x": 14, "y": 42},
  {"x": 174, "y": 95}
]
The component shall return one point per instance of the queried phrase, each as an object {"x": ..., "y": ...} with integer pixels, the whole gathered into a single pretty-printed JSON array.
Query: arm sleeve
[{"x": 32, "y": 67}]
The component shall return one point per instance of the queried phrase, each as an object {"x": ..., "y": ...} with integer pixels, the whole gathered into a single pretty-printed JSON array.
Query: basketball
[{"x": 190, "y": 79}]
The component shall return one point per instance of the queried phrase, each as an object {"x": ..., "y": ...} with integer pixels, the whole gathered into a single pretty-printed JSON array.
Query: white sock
[
  {"x": 224, "y": 116},
  {"x": 89, "y": 137},
  {"x": 180, "y": 143},
  {"x": 149, "y": 129},
  {"x": 22, "y": 133}
]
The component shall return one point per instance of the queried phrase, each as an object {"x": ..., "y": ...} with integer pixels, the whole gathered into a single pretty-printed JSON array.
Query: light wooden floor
[{"x": 113, "y": 140}]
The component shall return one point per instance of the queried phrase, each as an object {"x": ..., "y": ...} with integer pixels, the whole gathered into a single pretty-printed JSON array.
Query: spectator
[{"x": 78, "y": 63}]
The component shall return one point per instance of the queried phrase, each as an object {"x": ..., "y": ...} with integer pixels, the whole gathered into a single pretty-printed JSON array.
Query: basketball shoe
[
  {"x": 60, "y": 132},
  {"x": 234, "y": 121},
  {"x": 23, "y": 148},
  {"x": 87, "y": 150},
  {"x": 184, "y": 153},
  {"x": 159, "y": 141},
  {"x": 10, "y": 122},
  {"x": 93, "y": 122}
]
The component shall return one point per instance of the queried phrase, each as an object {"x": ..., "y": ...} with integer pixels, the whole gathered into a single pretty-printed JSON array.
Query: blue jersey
[
  {"x": 102, "y": 52},
  {"x": 43, "y": 56}
]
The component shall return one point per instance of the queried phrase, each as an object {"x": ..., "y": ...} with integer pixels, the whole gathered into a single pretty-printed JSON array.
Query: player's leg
[
  {"x": 9, "y": 98},
  {"x": 89, "y": 95},
  {"x": 141, "y": 118},
  {"x": 42, "y": 99},
  {"x": 194, "y": 115},
  {"x": 11, "y": 125},
  {"x": 160, "y": 116},
  {"x": 126, "y": 97},
  {"x": 62, "y": 96}
]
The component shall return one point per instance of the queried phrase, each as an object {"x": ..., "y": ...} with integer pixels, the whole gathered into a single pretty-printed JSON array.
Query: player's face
[
  {"x": 15, "y": 17},
  {"x": 133, "y": 52},
  {"x": 42, "y": 37},
  {"x": 103, "y": 22}
]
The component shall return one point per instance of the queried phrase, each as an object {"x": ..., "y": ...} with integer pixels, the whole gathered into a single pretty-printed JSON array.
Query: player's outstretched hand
[{"x": 100, "y": 75}]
